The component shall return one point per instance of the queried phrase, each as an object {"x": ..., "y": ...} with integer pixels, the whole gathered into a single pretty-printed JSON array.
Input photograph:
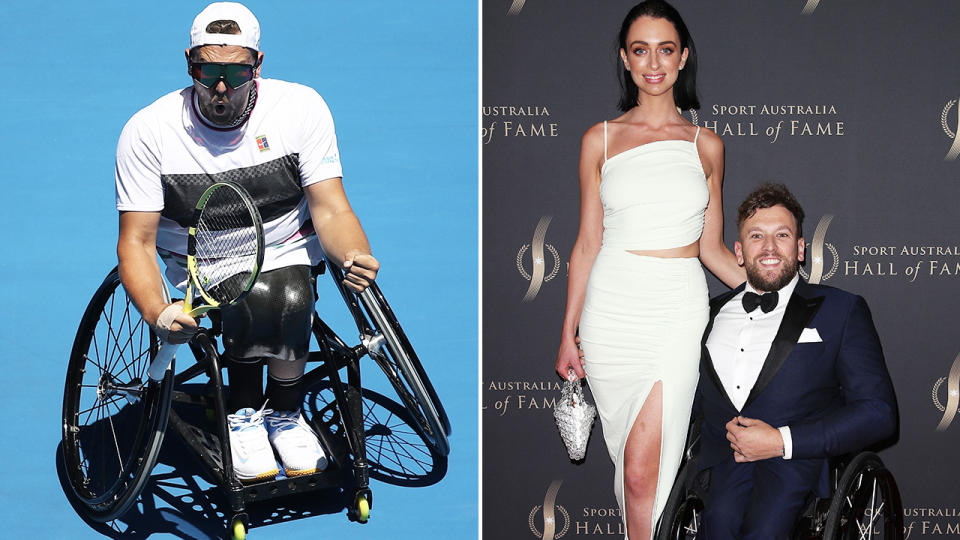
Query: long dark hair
[{"x": 685, "y": 89}]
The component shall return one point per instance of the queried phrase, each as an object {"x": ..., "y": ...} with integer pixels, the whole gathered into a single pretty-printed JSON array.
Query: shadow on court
[{"x": 180, "y": 499}]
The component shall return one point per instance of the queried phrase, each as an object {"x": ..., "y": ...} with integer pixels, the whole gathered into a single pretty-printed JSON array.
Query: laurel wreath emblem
[
  {"x": 943, "y": 118},
  {"x": 694, "y": 119},
  {"x": 538, "y": 534},
  {"x": 556, "y": 262},
  {"x": 833, "y": 268},
  {"x": 936, "y": 390}
]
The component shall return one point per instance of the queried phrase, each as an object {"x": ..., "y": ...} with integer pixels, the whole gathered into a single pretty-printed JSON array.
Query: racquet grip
[
  {"x": 188, "y": 299},
  {"x": 162, "y": 361}
]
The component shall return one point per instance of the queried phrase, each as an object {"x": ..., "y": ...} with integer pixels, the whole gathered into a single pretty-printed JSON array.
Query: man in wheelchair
[
  {"x": 277, "y": 140},
  {"x": 786, "y": 386}
]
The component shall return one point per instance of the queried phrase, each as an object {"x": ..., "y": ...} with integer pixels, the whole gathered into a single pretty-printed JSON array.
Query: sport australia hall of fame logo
[
  {"x": 952, "y": 406},
  {"x": 538, "y": 249},
  {"x": 816, "y": 254},
  {"x": 952, "y": 133},
  {"x": 543, "y": 518}
]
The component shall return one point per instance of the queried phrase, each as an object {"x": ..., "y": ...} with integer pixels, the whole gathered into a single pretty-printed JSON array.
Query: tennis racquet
[{"x": 224, "y": 256}]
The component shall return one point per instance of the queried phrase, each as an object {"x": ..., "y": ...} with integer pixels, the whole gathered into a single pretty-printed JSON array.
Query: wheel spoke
[
  {"x": 90, "y": 413},
  {"x": 135, "y": 331},
  {"x": 379, "y": 449},
  {"x": 119, "y": 346},
  {"x": 126, "y": 323},
  {"x": 400, "y": 452},
  {"x": 109, "y": 347},
  {"x": 406, "y": 444},
  {"x": 146, "y": 343},
  {"x": 128, "y": 327},
  {"x": 100, "y": 463},
  {"x": 873, "y": 508},
  {"x": 102, "y": 405},
  {"x": 127, "y": 365},
  {"x": 399, "y": 427},
  {"x": 95, "y": 347},
  {"x": 391, "y": 449},
  {"x": 122, "y": 346},
  {"x": 108, "y": 319},
  {"x": 91, "y": 360},
  {"x": 133, "y": 360},
  {"x": 116, "y": 442}
]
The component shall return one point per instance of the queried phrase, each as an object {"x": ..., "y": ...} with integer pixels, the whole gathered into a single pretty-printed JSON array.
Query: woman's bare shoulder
[
  {"x": 710, "y": 143},
  {"x": 592, "y": 140}
]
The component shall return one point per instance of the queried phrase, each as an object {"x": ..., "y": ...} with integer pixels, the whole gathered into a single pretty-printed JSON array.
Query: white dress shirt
[{"x": 739, "y": 343}]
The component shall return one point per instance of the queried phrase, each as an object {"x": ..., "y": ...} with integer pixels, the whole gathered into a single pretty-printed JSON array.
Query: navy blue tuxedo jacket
[{"x": 835, "y": 395}]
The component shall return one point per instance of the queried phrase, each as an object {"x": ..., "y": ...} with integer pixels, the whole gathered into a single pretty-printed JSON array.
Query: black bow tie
[{"x": 766, "y": 301}]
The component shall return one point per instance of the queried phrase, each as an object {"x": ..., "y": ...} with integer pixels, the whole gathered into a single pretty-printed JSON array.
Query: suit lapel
[
  {"x": 801, "y": 308},
  {"x": 715, "y": 306}
]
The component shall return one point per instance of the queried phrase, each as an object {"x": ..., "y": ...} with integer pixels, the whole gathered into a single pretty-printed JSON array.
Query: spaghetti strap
[
  {"x": 697, "y": 135},
  {"x": 604, "y": 141}
]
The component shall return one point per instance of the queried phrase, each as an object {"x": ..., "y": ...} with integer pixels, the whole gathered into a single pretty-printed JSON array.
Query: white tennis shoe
[
  {"x": 296, "y": 444},
  {"x": 253, "y": 459}
]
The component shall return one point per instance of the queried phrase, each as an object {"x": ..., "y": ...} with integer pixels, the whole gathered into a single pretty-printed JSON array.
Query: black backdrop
[{"x": 852, "y": 104}]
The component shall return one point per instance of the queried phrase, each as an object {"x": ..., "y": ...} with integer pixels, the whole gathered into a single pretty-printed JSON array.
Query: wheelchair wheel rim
[
  {"x": 103, "y": 394},
  {"x": 869, "y": 507}
]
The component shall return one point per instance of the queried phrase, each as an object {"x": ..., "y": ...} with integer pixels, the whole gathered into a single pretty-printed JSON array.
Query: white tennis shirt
[{"x": 168, "y": 155}]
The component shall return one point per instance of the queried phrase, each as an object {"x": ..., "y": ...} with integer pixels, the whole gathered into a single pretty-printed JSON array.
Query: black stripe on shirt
[{"x": 274, "y": 187}]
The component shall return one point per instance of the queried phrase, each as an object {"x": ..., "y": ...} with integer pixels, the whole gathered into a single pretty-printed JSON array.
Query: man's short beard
[
  {"x": 758, "y": 282},
  {"x": 234, "y": 115}
]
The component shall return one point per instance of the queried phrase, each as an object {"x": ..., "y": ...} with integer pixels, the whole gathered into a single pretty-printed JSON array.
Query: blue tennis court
[{"x": 401, "y": 82}]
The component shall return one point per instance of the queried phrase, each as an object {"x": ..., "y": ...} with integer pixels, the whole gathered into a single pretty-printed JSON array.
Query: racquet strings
[{"x": 226, "y": 245}]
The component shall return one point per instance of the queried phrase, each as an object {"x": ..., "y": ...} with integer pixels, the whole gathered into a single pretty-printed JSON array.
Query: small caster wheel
[
  {"x": 238, "y": 530},
  {"x": 362, "y": 511}
]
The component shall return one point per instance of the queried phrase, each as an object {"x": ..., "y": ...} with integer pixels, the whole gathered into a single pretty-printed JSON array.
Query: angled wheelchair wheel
[
  {"x": 114, "y": 417},
  {"x": 387, "y": 344},
  {"x": 684, "y": 508},
  {"x": 396, "y": 453},
  {"x": 390, "y": 349},
  {"x": 683, "y": 511},
  {"x": 866, "y": 504}
]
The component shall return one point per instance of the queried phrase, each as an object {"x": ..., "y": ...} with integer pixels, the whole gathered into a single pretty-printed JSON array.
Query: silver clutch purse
[{"x": 574, "y": 417}]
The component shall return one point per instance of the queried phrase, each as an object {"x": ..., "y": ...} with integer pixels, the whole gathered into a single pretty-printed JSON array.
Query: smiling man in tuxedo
[{"x": 791, "y": 375}]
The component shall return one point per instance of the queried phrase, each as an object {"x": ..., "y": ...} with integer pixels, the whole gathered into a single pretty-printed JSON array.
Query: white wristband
[{"x": 787, "y": 442}]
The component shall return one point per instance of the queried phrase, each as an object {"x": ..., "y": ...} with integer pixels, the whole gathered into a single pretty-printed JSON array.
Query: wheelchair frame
[
  {"x": 122, "y": 393},
  {"x": 865, "y": 496}
]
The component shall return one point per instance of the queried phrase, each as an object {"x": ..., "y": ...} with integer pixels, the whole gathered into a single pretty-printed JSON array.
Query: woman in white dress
[{"x": 650, "y": 207}]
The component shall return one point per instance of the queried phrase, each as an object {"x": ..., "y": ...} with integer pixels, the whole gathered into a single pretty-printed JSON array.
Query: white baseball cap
[{"x": 248, "y": 37}]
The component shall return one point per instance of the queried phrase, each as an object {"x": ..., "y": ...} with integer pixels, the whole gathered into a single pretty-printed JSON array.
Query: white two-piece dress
[{"x": 643, "y": 317}]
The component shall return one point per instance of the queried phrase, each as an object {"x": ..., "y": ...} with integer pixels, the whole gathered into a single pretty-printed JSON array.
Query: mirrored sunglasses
[{"x": 209, "y": 74}]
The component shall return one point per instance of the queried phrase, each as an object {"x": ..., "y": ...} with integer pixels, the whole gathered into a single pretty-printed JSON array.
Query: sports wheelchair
[
  {"x": 865, "y": 501},
  {"x": 115, "y": 417}
]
